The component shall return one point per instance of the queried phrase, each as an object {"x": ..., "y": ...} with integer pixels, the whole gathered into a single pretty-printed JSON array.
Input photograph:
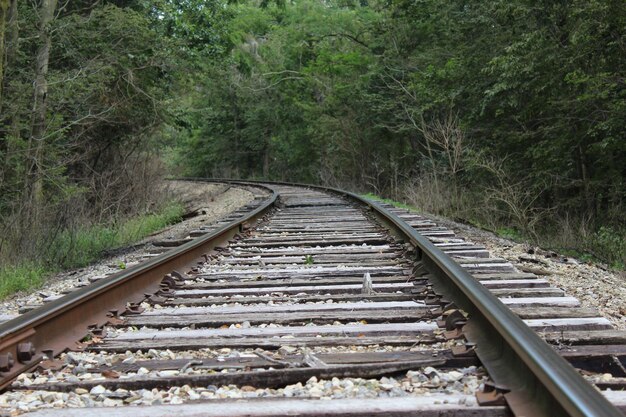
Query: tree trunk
[
  {"x": 12, "y": 34},
  {"x": 38, "y": 123},
  {"x": 4, "y": 10},
  {"x": 266, "y": 160},
  {"x": 8, "y": 120},
  {"x": 586, "y": 182}
]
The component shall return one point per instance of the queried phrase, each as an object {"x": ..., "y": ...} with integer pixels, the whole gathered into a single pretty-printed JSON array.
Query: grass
[
  {"x": 21, "y": 278},
  {"x": 510, "y": 233},
  {"x": 77, "y": 248}
]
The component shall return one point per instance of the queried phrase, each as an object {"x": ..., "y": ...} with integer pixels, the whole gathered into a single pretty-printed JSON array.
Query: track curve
[{"x": 327, "y": 269}]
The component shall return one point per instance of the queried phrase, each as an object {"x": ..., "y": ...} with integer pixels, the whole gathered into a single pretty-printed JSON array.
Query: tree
[
  {"x": 4, "y": 15},
  {"x": 34, "y": 188}
]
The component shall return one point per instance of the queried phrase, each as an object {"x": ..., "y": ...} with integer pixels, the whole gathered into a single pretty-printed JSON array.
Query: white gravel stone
[
  {"x": 416, "y": 382},
  {"x": 97, "y": 390}
]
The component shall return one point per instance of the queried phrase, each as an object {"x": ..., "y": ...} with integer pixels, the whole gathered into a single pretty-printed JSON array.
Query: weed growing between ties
[{"x": 392, "y": 202}]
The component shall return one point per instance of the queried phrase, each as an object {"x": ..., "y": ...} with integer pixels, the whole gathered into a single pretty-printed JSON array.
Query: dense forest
[{"x": 507, "y": 114}]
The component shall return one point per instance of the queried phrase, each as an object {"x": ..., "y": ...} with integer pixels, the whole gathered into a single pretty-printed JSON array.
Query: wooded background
[{"x": 507, "y": 114}]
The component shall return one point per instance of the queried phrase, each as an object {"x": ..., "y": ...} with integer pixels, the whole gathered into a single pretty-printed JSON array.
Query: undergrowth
[
  {"x": 22, "y": 277},
  {"x": 82, "y": 246},
  {"x": 607, "y": 245}
]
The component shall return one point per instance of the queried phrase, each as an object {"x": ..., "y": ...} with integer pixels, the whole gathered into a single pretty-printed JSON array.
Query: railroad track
[{"x": 315, "y": 293}]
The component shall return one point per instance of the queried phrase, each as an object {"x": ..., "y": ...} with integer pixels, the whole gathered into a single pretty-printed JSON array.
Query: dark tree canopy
[{"x": 500, "y": 112}]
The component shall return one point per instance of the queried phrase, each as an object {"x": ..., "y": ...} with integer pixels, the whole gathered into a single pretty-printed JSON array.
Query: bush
[{"x": 610, "y": 245}]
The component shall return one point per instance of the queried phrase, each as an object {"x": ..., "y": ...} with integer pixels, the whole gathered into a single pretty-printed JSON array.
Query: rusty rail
[{"x": 58, "y": 325}]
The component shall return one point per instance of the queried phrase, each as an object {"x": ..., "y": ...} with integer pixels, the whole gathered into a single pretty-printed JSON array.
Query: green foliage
[
  {"x": 21, "y": 278},
  {"x": 510, "y": 233},
  {"x": 80, "y": 247},
  {"x": 198, "y": 26},
  {"x": 289, "y": 82},
  {"x": 358, "y": 95},
  {"x": 114, "y": 71},
  {"x": 76, "y": 248},
  {"x": 514, "y": 109},
  {"x": 610, "y": 245}
]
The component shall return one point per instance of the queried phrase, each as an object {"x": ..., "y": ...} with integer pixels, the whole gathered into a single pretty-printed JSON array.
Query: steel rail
[
  {"x": 59, "y": 324},
  {"x": 540, "y": 381},
  {"x": 567, "y": 388}
]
